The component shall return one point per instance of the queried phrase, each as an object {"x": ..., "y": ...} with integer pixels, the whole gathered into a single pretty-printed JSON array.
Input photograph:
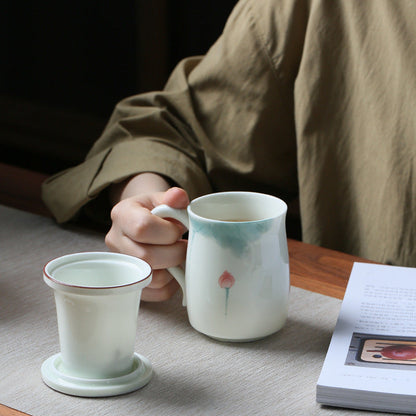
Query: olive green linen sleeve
[
  {"x": 223, "y": 122},
  {"x": 143, "y": 135}
]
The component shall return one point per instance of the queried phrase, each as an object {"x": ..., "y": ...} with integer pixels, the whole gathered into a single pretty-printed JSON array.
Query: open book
[{"x": 371, "y": 360}]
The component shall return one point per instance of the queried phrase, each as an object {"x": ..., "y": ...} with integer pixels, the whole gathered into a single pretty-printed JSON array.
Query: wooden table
[{"x": 312, "y": 268}]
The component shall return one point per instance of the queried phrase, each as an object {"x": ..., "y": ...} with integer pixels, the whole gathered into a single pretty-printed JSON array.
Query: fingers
[
  {"x": 137, "y": 232},
  {"x": 163, "y": 285},
  {"x": 158, "y": 256},
  {"x": 175, "y": 198},
  {"x": 139, "y": 224},
  {"x": 162, "y": 293}
]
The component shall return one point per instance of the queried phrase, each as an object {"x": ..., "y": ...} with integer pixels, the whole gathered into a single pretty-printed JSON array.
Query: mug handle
[{"x": 181, "y": 215}]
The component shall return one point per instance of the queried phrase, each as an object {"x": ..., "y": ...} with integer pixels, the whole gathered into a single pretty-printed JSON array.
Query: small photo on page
[{"x": 382, "y": 351}]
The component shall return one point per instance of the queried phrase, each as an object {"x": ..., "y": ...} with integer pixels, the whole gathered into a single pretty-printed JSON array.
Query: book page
[{"x": 373, "y": 347}]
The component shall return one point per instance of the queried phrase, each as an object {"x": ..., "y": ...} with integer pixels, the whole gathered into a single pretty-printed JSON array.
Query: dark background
[{"x": 64, "y": 66}]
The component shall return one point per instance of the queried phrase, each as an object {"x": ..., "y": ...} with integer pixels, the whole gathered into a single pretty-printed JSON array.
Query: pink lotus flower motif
[{"x": 226, "y": 280}]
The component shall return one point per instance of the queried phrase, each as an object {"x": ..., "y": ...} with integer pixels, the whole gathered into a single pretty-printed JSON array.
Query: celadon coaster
[{"x": 139, "y": 376}]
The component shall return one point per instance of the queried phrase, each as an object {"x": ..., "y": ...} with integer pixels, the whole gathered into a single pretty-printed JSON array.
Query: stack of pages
[{"x": 371, "y": 360}]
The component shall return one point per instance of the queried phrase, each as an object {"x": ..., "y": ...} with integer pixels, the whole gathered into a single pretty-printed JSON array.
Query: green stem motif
[{"x": 227, "y": 293}]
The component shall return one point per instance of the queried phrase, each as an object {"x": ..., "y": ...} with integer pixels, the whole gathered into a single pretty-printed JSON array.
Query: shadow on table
[
  {"x": 174, "y": 393},
  {"x": 296, "y": 335}
]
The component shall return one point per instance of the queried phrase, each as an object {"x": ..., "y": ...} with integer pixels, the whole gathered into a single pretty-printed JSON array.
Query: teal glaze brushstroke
[
  {"x": 235, "y": 236},
  {"x": 227, "y": 294}
]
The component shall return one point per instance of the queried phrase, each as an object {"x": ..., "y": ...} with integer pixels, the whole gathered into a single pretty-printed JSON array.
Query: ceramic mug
[
  {"x": 236, "y": 281},
  {"x": 97, "y": 296}
]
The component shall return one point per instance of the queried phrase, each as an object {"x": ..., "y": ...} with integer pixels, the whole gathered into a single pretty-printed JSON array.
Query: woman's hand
[{"x": 137, "y": 232}]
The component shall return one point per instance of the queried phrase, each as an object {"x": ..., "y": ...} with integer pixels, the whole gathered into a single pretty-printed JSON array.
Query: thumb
[{"x": 176, "y": 198}]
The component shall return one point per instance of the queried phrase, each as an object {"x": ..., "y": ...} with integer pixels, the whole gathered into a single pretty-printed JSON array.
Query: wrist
[{"x": 141, "y": 183}]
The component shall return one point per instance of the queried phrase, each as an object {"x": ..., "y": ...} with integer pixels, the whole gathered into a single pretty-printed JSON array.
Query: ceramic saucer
[{"x": 55, "y": 378}]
